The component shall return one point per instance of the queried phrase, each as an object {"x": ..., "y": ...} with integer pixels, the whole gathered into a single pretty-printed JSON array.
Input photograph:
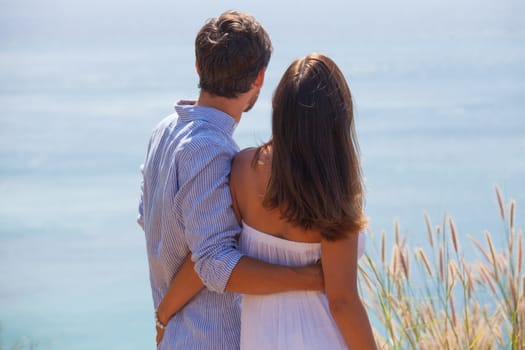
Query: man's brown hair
[
  {"x": 315, "y": 179},
  {"x": 231, "y": 50}
]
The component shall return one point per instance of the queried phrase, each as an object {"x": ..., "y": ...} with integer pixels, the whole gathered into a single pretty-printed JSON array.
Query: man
[{"x": 186, "y": 206}]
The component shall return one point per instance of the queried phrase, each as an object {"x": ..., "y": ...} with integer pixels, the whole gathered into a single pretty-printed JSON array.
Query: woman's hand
[
  {"x": 160, "y": 335},
  {"x": 161, "y": 321}
]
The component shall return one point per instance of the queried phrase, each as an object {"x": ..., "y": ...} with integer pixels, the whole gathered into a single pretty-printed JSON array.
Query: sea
[{"x": 439, "y": 91}]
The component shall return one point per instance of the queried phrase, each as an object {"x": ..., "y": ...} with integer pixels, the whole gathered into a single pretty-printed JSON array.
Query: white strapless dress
[{"x": 291, "y": 320}]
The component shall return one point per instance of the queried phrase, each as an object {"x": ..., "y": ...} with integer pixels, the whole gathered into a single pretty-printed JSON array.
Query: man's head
[{"x": 231, "y": 50}]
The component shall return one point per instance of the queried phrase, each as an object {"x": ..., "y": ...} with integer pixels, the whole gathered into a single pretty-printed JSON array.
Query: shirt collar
[{"x": 189, "y": 112}]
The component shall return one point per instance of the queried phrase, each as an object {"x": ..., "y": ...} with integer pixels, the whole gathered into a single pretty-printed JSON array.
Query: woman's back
[{"x": 248, "y": 182}]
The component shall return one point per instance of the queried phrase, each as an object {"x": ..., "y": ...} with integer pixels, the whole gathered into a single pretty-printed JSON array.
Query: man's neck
[{"x": 234, "y": 107}]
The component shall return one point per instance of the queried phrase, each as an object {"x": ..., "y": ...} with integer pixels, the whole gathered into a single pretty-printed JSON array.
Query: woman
[{"x": 300, "y": 199}]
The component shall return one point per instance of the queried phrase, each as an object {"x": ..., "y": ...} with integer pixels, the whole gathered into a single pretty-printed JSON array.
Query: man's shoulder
[
  {"x": 166, "y": 122},
  {"x": 192, "y": 138},
  {"x": 204, "y": 136}
]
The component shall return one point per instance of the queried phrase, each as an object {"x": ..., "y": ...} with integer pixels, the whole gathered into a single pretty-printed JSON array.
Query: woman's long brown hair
[{"x": 316, "y": 179}]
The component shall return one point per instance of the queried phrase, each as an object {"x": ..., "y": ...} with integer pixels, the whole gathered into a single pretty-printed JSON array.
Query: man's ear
[{"x": 259, "y": 81}]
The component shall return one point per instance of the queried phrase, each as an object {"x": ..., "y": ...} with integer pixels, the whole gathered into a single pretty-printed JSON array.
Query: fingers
[{"x": 160, "y": 335}]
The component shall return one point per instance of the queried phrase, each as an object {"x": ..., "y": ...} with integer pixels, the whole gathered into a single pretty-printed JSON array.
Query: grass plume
[{"x": 451, "y": 303}]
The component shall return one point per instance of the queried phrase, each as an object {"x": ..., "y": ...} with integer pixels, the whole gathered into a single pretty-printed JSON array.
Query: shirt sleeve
[
  {"x": 210, "y": 226},
  {"x": 140, "y": 217}
]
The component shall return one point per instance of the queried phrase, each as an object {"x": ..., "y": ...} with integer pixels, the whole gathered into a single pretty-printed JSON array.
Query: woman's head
[{"x": 316, "y": 177}]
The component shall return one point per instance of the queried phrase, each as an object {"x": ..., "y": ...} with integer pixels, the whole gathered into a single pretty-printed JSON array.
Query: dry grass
[{"x": 432, "y": 298}]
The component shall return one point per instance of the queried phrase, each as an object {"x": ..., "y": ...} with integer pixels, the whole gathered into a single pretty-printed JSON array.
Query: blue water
[{"x": 439, "y": 91}]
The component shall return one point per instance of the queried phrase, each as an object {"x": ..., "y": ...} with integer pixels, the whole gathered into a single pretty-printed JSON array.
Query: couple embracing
[{"x": 256, "y": 249}]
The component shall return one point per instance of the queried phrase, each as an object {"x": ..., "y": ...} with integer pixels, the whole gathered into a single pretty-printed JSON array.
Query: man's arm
[
  {"x": 251, "y": 276},
  {"x": 248, "y": 277},
  {"x": 211, "y": 229},
  {"x": 205, "y": 200}
]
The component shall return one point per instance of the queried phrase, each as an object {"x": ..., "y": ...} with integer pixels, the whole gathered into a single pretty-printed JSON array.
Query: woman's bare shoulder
[
  {"x": 246, "y": 154},
  {"x": 244, "y": 159},
  {"x": 242, "y": 165},
  {"x": 250, "y": 169}
]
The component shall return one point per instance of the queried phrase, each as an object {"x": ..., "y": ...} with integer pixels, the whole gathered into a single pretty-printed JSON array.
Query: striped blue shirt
[{"x": 186, "y": 207}]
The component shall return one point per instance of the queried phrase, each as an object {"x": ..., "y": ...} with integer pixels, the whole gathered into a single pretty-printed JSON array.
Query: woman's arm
[
  {"x": 249, "y": 277},
  {"x": 184, "y": 286},
  {"x": 340, "y": 274}
]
